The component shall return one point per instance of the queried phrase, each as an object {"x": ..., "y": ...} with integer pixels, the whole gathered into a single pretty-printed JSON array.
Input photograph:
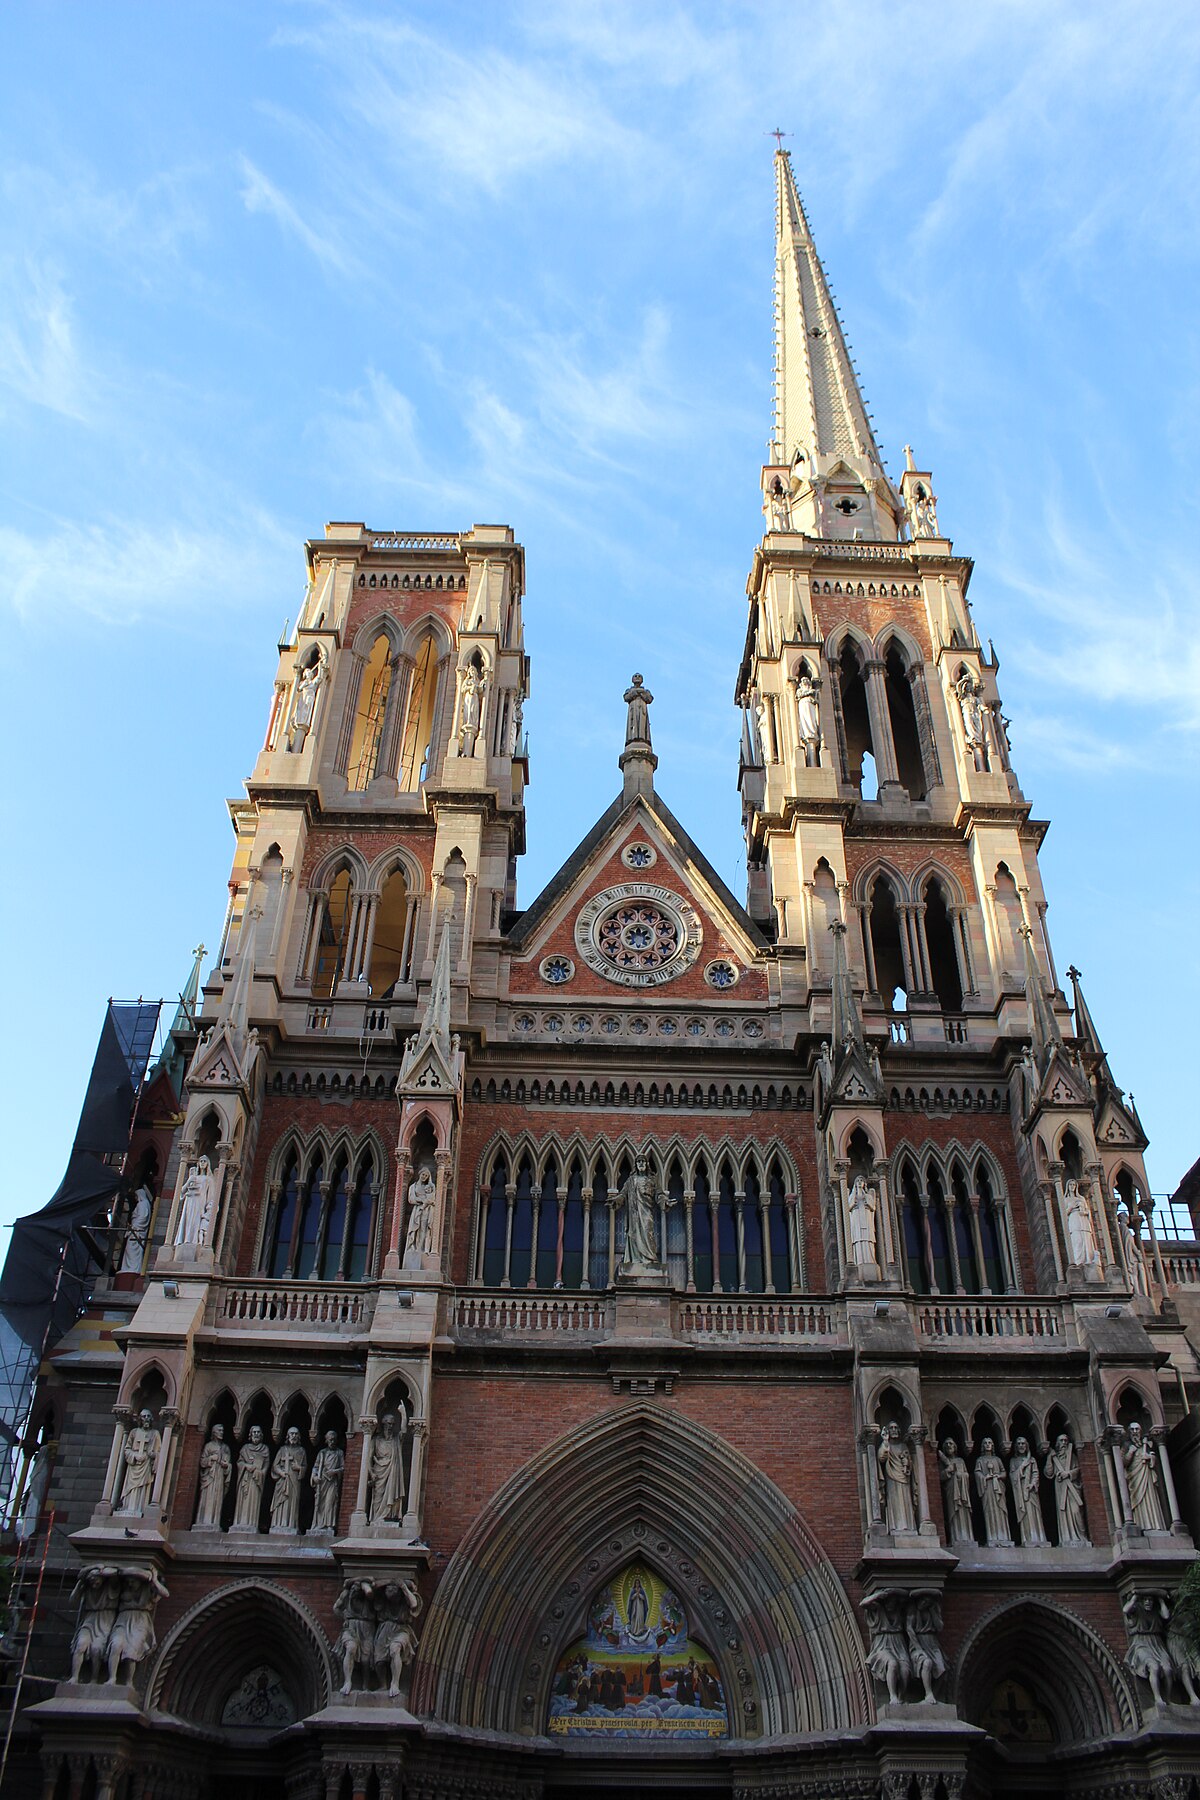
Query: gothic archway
[
  {"x": 642, "y": 1479},
  {"x": 234, "y": 1631},
  {"x": 1038, "y": 1678}
]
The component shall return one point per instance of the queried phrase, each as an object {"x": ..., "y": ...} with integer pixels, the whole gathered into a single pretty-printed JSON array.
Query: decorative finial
[
  {"x": 908, "y": 458},
  {"x": 778, "y": 136},
  {"x": 638, "y": 761}
]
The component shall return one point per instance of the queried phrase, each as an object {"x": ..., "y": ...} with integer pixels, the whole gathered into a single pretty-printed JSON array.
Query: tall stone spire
[
  {"x": 821, "y": 422},
  {"x": 847, "y": 1028}
]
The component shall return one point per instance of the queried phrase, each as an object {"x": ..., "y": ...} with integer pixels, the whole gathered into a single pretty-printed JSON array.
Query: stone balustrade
[
  {"x": 540, "y": 1314},
  {"x": 1182, "y": 1266},
  {"x": 300, "y": 1306},
  {"x": 984, "y": 1321},
  {"x": 769, "y": 1320}
]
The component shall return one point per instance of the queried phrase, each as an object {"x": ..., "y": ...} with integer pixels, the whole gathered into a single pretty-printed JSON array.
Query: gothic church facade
[{"x": 647, "y": 1339}]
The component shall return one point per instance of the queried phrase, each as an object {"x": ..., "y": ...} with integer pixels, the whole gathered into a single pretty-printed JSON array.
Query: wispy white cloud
[
  {"x": 261, "y": 195},
  {"x": 40, "y": 361}
]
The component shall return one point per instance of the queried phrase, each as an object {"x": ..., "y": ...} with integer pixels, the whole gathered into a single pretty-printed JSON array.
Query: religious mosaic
[{"x": 637, "y": 1671}]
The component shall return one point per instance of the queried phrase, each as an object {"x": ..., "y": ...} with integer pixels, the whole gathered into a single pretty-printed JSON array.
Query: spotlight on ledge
[
  {"x": 882, "y": 1308},
  {"x": 1113, "y": 1311},
  {"x": 171, "y": 1290}
]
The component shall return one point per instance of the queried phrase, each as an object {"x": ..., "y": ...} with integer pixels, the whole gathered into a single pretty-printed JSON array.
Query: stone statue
[
  {"x": 974, "y": 717},
  {"x": 398, "y": 1607},
  {"x": 143, "y": 1442},
  {"x": 1081, "y": 1233},
  {"x": 862, "y": 1205},
  {"x": 1141, "y": 1478},
  {"x": 216, "y": 1469},
  {"x": 35, "y": 1493},
  {"x": 132, "y": 1637},
  {"x": 469, "y": 695},
  {"x": 888, "y": 1660},
  {"x": 385, "y": 1491},
  {"x": 923, "y": 512},
  {"x": 956, "y": 1493},
  {"x": 1026, "y": 1482},
  {"x": 356, "y": 1644},
  {"x": 329, "y": 1465},
  {"x": 1062, "y": 1468},
  {"x": 421, "y": 1195},
  {"x": 762, "y": 719},
  {"x": 1185, "y": 1654},
  {"x": 1148, "y": 1657},
  {"x": 990, "y": 1482},
  {"x": 288, "y": 1469},
  {"x": 639, "y": 1196},
  {"x": 1134, "y": 1252},
  {"x": 896, "y": 1474},
  {"x": 515, "y": 720},
  {"x": 637, "y": 722},
  {"x": 98, "y": 1592},
  {"x": 133, "y": 1251},
  {"x": 252, "y": 1475},
  {"x": 304, "y": 703},
  {"x": 808, "y": 719},
  {"x": 197, "y": 1204},
  {"x": 922, "y": 1626}
]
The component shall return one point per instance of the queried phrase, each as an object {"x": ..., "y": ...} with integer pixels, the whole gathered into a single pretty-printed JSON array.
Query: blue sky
[{"x": 269, "y": 265}]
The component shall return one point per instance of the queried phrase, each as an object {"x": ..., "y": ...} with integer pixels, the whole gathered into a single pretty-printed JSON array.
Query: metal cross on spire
[{"x": 778, "y": 136}]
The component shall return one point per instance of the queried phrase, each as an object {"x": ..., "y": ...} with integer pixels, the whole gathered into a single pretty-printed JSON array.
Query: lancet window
[
  {"x": 320, "y": 1215},
  {"x": 367, "y": 738},
  {"x": 916, "y": 943},
  {"x": 882, "y": 708},
  {"x": 726, "y": 1218},
  {"x": 417, "y": 740},
  {"x": 954, "y": 1221},
  {"x": 360, "y": 929}
]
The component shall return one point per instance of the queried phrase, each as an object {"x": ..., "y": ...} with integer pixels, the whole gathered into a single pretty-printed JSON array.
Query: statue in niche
[
  {"x": 422, "y": 1193},
  {"x": 133, "y": 1251},
  {"x": 288, "y": 1469},
  {"x": 990, "y": 1483},
  {"x": 216, "y": 1471},
  {"x": 515, "y": 721},
  {"x": 1025, "y": 1478},
  {"x": 762, "y": 718},
  {"x": 923, "y": 512},
  {"x": 252, "y": 1474},
  {"x": 355, "y": 1646},
  {"x": 1141, "y": 1478},
  {"x": 1062, "y": 1468},
  {"x": 385, "y": 1486},
  {"x": 922, "y": 1626},
  {"x": 1148, "y": 1657},
  {"x": 470, "y": 693},
  {"x": 1185, "y": 1654},
  {"x": 1081, "y": 1232},
  {"x": 132, "y": 1638},
  {"x": 888, "y": 1660},
  {"x": 197, "y": 1204},
  {"x": 304, "y": 703},
  {"x": 397, "y": 1609},
  {"x": 98, "y": 1592},
  {"x": 974, "y": 717},
  {"x": 808, "y": 719},
  {"x": 143, "y": 1443},
  {"x": 896, "y": 1474},
  {"x": 637, "y": 698},
  {"x": 956, "y": 1493},
  {"x": 329, "y": 1465},
  {"x": 639, "y": 1196},
  {"x": 1134, "y": 1252},
  {"x": 863, "y": 1204}
]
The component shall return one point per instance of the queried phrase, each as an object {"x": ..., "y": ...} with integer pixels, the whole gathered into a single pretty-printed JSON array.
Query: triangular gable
[
  {"x": 217, "y": 1063},
  {"x": 1115, "y": 1124},
  {"x": 1062, "y": 1084}
]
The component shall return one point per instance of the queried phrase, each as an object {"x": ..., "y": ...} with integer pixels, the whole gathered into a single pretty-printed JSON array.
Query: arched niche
[
  {"x": 203, "y": 1665},
  {"x": 1034, "y": 1657},
  {"x": 641, "y": 1479}
]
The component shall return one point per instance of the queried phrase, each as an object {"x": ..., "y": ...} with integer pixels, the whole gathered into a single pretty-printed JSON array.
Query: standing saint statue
[
  {"x": 639, "y": 1195},
  {"x": 197, "y": 1204},
  {"x": 216, "y": 1469},
  {"x": 143, "y": 1443},
  {"x": 974, "y": 718},
  {"x": 862, "y": 1205},
  {"x": 1025, "y": 1477},
  {"x": 1141, "y": 1477},
  {"x": 252, "y": 1474},
  {"x": 637, "y": 698},
  {"x": 1081, "y": 1233},
  {"x": 329, "y": 1465},
  {"x": 1062, "y": 1468},
  {"x": 956, "y": 1493},
  {"x": 133, "y": 1251},
  {"x": 385, "y": 1491},
  {"x": 1135, "y": 1255},
  {"x": 421, "y": 1195},
  {"x": 288, "y": 1470},
  {"x": 304, "y": 703},
  {"x": 990, "y": 1482},
  {"x": 469, "y": 695},
  {"x": 808, "y": 719},
  {"x": 896, "y": 1474}
]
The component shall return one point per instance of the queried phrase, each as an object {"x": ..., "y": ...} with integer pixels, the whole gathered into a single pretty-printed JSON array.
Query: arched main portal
[
  {"x": 642, "y": 1481},
  {"x": 1039, "y": 1680}
]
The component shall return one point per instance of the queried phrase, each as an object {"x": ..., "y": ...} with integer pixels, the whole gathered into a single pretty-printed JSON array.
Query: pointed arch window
[
  {"x": 312, "y": 1206},
  {"x": 332, "y": 935},
  {"x": 391, "y": 942},
  {"x": 954, "y": 1228},
  {"x": 941, "y": 947},
  {"x": 320, "y": 1228},
  {"x": 280, "y": 1251},
  {"x": 902, "y": 717},
  {"x": 417, "y": 739},
  {"x": 334, "y": 1223},
  {"x": 855, "y": 715},
  {"x": 367, "y": 737},
  {"x": 362, "y": 1218},
  {"x": 888, "y": 969},
  {"x": 495, "y": 1238}
]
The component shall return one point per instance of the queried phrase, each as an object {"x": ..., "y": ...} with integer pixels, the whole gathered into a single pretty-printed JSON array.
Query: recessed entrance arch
[{"x": 642, "y": 1480}]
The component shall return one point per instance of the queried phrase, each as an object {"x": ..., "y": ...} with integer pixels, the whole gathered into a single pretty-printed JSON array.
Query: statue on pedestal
[
  {"x": 862, "y": 1205},
  {"x": 956, "y": 1492},
  {"x": 288, "y": 1470},
  {"x": 304, "y": 703},
  {"x": 329, "y": 1465},
  {"x": 422, "y": 1193},
  {"x": 923, "y": 1623},
  {"x": 808, "y": 719},
  {"x": 1146, "y": 1615},
  {"x": 216, "y": 1470},
  {"x": 888, "y": 1660},
  {"x": 385, "y": 1490},
  {"x": 197, "y": 1204},
  {"x": 470, "y": 691},
  {"x": 896, "y": 1474},
  {"x": 990, "y": 1482},
  {"x": 1081, "y": 1233},
  {"x": 1141, "y": 1478},
  {"x": 1025, "y": 1477},
  {"x": 397, "y": 1608},
  {"x": 132, "y": 1638},
  {"x": 98, "y": 1592},
  {"x": 133, "y": 1251},
  {"x": 639, "y": 1196},
  {"x": 252, "y": 1474},
  {"x": 1062, "y": 1468},
  {"x": 974, "y": 717},
  {"x": 1135, "y": 1255},
  {"x": 355, "y": 1646},
  {"x": 143, "y": 1442}
]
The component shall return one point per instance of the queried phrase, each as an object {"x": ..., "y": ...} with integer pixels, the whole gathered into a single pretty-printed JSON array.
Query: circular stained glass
[
  {"x": 720, "y": 974},
  {"x": 639, "y": 935},
  {"x": 752, "y": 1028},
  {"x": 523, "y": 1022},
  {"x": 639, "y": 856},
  {"x": 667, "y": 1027},
  {"x": 557, "y": 969},
  {"x": 581, "y": 1024},
  {"x": 552, "y": 1022},
  {"x": 638, "y": 1027},
  {"x": 610, "y": 1024}
]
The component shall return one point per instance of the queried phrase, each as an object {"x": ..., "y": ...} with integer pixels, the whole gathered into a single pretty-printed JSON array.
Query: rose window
[{"x": 638, "y": 937}]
